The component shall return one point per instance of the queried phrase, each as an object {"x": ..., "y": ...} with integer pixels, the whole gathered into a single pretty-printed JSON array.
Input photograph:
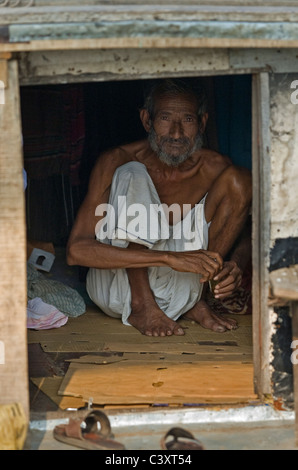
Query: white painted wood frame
[{"x": 13, "y": 283}]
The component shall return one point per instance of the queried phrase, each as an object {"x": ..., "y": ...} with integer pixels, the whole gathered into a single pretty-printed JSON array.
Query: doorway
[{"x": 95, "y": 117}]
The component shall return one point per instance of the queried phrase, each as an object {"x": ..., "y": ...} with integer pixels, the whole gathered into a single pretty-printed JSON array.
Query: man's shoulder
[
  {"x": 213, "y": 157},
  {"x": 122, "y": 154},
  {"x": 108, "y": 162},
  {"x": 213, "y": 162}
]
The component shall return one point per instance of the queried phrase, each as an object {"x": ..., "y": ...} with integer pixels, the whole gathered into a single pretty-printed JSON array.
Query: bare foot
[
  {"x": 151, "y": 321},
  {"x": 202, "y": 314}
]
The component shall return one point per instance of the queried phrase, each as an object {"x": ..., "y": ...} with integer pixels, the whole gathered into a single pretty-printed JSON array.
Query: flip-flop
[
  {"x": 85, "y": 434},
  {"x": 182, "y": 440}
]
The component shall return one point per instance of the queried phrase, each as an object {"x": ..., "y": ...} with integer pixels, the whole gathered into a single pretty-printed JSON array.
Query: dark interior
[{"x": 66, "y": 127}]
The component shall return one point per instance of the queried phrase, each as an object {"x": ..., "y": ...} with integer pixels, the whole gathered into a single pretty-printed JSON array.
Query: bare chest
[{"x": 181, "y": 190}]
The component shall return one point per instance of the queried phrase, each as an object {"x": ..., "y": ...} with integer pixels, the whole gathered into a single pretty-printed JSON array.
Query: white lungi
[{"x": 133, "y": 192}]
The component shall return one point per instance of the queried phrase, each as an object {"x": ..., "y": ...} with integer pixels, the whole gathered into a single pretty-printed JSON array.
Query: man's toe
[
  {"x": 178, "y": 331},
  {"x": 232, "y": 324},
  {"x": 213, "y": 323},
  {"x": 219, "y": 328}
]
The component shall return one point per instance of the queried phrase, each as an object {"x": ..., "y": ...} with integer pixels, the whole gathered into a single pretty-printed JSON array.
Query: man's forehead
[{"x": 182, "y": 103}]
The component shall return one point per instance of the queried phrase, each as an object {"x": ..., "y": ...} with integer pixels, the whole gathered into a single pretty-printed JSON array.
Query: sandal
[
  {"x": 183, "y": 440},
  {"x": 85, "y": 434}
]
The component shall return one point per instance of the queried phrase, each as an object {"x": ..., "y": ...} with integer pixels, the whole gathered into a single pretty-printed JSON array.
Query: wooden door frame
[
  {"x": 260, "y": 214},
  {"x": 13, "y": 313},
  {"x": 261, "y": 231}
]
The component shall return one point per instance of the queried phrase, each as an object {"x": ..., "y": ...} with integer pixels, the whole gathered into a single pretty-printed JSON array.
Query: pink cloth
[{"x": 42, "y": 316}]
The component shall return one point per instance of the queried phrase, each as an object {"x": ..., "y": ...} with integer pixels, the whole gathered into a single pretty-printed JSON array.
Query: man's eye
[
  {"x": 189, "y": 119},
  {"x": 164, "y": 117}
]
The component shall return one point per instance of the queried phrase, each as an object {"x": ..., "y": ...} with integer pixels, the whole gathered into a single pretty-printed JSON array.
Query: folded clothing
[
  {"x": 42, "y": 316},
  {"x": 64, "y": 298}
]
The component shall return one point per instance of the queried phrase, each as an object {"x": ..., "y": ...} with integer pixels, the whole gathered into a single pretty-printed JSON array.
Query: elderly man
[{"x": 160, "y": 217}]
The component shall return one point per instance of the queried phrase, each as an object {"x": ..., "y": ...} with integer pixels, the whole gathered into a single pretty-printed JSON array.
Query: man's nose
[{"x": 176, "y": 129}]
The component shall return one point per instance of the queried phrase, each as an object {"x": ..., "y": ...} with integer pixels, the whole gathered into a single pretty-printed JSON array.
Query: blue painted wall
[{"x": 233, "y": 117}]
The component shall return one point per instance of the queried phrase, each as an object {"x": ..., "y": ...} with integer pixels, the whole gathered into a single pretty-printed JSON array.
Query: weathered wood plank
[
  {"x": 272, "y": 60},
  {"x": 113, "y": 64},
  {"x": 134, "y": 382},
  {"x": 145, "y": 42},
  {"x": 13, "y": 367},
  {"x": 281, "y": 3},
  {"x": 124, "y": 64},
  {"x": 261, "y": 228},
  {"x": 73, "y": 11},
  {"x": 266, "y": 31},
  {"x": 3, "y": 72}
]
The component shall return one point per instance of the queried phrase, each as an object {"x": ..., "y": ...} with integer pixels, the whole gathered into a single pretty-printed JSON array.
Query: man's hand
[
  {"x": 206, "y": 263},
  {"x": 227, "y": 280}
]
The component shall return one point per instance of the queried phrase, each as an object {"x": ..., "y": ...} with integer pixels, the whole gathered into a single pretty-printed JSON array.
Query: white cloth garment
[
  {"x": 134, "y": 214},
  {"x": 42, "y": 316}
]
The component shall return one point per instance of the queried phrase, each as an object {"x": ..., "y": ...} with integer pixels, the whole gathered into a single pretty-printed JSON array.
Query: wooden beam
[
  {"x": 270, "y": 60},
  {"x": 145, "y": 42},
  {"x": 118, "y": 64},
  {"x": 74, "y": 11},
  {"x": 73, "y": 66},
  {"x": 261, "y": 231},
  {"x": 3, "y": 72},
  {"x": 13, "y": 286},
  {"x": 188, "y": 29},
  {"x": 5, "y": 55},
  {"x": 151, "y": 3}
]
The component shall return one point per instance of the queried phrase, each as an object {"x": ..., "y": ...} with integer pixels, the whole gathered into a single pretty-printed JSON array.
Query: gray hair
[{"x": 175, "y": 87}]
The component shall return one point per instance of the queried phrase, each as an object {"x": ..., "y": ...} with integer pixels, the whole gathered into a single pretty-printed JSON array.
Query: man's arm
[
  {"x": 83, "y": 249},
  {"x": 229, "y": 279}
]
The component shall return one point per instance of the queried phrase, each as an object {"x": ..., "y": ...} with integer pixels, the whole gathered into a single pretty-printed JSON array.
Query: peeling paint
[
  {"x": 119, "y": 63},
  {"x": 284, "y": 162},
  {"x": 284, "y": 226},
  {"x": 282, "y": 373},
  {"x": 283, "y": 254},
  {"x": 191, "y": 29}
]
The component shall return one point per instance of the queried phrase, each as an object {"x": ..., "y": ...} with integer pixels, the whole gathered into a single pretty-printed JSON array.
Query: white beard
[{"x": 169, "y": 159}]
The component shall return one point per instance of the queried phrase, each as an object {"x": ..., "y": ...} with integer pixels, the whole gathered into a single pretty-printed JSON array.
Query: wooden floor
[{"x": 94, "y": 357}]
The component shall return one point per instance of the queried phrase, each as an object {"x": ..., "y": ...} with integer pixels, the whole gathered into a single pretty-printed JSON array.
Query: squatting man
[{"x": 136, "y": 273}]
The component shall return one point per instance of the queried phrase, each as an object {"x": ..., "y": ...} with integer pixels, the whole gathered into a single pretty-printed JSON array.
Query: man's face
[{"x": 174, "y": 134}]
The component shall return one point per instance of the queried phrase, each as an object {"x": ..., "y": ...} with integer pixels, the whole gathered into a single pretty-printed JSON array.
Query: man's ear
[
  {"x": 145, "y": 118},
  {"x": 203, "y": 124}
]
